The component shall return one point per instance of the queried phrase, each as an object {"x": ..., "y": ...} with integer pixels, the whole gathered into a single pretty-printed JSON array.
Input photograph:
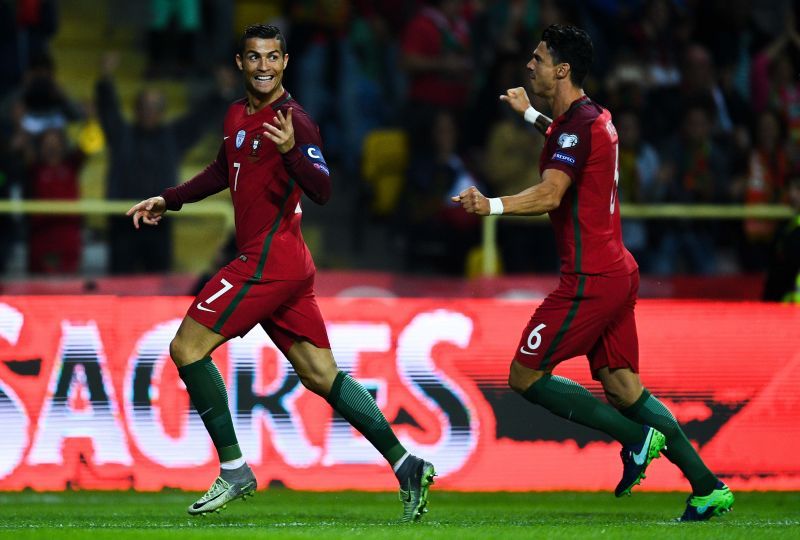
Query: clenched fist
[{"x": 473, "y": 201}]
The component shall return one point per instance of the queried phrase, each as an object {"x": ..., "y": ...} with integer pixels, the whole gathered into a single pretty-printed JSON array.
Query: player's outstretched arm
[
  {"x": 150, "y": 211},
  {"x": 518, "y": 100},
  {"x": 536, "y": 200}
]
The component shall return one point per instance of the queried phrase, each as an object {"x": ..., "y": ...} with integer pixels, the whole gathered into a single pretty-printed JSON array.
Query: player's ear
[
  {"x": 563, "y": 70},
  {"x": 285, "y": 60},
  {"x": 239, "y": 62}
]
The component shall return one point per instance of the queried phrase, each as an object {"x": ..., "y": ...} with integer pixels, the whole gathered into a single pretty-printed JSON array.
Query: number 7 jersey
[
  {"x": 583, "y": 144},
  {"x": 265, "y": 187}
]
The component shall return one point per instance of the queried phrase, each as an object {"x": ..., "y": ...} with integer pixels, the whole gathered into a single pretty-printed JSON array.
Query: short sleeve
[{"x": 567, "y": 149}]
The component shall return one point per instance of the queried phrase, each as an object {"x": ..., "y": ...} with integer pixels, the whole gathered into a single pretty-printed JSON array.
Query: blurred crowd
[{"x": 705, "y": 95}]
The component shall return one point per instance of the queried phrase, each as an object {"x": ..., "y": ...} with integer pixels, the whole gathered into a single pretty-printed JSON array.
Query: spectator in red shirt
[
  {"x": 436, "y": 57},
  {"x": 54, "y": 242}
]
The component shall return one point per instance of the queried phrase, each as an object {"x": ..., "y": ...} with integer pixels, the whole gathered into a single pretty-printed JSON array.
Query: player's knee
[
  {"x": 180, "y": 352},
  {"x": 521, "y": 378},
  {"x": 318, "y": 379},
  {"x": 621, "y": 398}
]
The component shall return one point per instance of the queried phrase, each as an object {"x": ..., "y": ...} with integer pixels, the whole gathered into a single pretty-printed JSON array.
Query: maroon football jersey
[
  {"x": 583, "y": 143},
  {"x": 265, "y": 186},
  {"x": 266, "y": 200}
]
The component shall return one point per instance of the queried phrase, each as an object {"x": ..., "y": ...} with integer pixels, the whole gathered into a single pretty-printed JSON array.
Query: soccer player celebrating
[
  {"x": 592, "y": 311},
  {"x": 270, "y": 155}
]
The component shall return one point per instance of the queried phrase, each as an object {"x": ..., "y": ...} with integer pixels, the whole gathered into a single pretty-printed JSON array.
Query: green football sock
[
  {"x": 572, "y": 401},
  {"x": 650, "y": 411},
  {"x": 350, "y": 399},
  {"x": 210, "y": 399}
]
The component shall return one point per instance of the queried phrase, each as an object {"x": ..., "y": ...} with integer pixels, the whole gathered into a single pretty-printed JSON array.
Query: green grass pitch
[{"x": 281, "y": 513}]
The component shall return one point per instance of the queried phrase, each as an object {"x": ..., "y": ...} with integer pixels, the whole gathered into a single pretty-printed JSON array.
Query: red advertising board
[{"x": 89, "y": 397}]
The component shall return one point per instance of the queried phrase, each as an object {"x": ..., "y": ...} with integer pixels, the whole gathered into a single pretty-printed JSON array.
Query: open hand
[
  {"x": 282, "y": 132},
  {"x": 150, "y": 211}
]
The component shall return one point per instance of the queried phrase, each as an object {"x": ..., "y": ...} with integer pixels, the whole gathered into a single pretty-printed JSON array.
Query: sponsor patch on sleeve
[
  {"x": 565, "y": 158},
  {"x": 314, "y": 155}
]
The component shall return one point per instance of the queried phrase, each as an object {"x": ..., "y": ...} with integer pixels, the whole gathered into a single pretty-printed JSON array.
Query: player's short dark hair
[
  {"x": 570, "y": 45},
  {"x": 262, "y": 31}
]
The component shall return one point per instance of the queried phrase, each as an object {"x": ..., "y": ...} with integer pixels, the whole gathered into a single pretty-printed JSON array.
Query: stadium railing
[
  {"x": 640, "y": 211},
  {"x": 224, "y": 211},
  {"x": 89, "y": 207}
]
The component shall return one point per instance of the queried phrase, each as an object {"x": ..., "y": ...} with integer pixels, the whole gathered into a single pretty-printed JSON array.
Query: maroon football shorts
[
  {"x": 232, "y": 303},
  {"x": 588, "y": 315}
]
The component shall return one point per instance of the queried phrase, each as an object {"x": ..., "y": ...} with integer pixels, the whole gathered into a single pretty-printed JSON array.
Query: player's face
[
  {"x": 542, "y": 72},
  {"x": 262, "y": 63}
]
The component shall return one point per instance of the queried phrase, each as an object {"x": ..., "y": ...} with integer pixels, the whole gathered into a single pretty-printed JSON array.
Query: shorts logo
[
  {"x": 567, "y": 140},
  {"x": 201, "y": 308},
  {"x": 240, "y": 135},
  {"x": 565, "y": 158}
]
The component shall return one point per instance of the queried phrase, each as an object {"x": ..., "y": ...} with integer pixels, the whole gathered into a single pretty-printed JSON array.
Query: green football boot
[
  {"x": 704, "y": 508},
  {"x": 224, "y": 491},
  {"x": 415, "y": 498},
  {"x": 636, "y": 458}
]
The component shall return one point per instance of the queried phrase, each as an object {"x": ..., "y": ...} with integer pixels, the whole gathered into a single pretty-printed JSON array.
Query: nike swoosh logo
[
  {"x": 640, "y": 458},
  {"x": 196, "y": 506},
  {"x": 702, "y": 510},
  {"x": 201, "y": 308},
  {"x": 226, "y": 137},
  {"x": 529, "y": 353}
]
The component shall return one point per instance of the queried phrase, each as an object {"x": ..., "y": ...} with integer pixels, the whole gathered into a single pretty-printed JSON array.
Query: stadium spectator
[
  {"x": 654, "y": 37},
  {"x": 510, "y": 166},
  {"x": 439, "y": 234},
  {"x": 45, "y": 103},
  {"x": 54, "y": 242},
  {"x": 36, "y": 22},
  {"x": 695, "y": 171},
  {"x": 639, "y": 167},
  {"x": 775, "y": 84},
  {"x": 173, "y": 38},
  {"x": 437, "y": 58},
  {"x": 145, "y": 155},
  {"x": 764, "y": 182},
  {"x": 783, "y": 275},
  {"x": 345, "y": 45}
]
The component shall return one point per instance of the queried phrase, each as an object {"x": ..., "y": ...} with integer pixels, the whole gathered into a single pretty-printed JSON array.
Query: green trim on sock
[
  {"x": 210, "y": 399},
  {"x": 572, "y": 401},
  {"x": 356, "y": 405}
]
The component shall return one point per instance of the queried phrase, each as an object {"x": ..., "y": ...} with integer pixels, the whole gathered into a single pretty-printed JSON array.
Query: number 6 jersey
[{"x": 583, "y": 144}]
